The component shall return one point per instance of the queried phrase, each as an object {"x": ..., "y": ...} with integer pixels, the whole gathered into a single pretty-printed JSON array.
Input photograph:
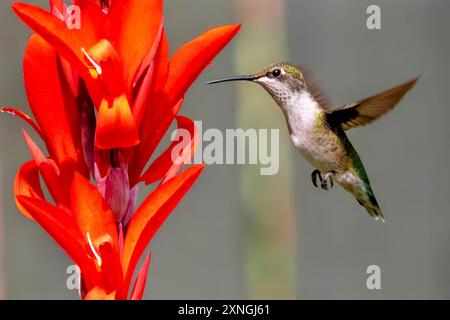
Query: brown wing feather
[{"x": 369, "y": 109}]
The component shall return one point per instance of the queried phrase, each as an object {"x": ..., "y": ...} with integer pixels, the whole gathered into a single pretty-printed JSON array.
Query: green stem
[{"x": 267, "y": 201}]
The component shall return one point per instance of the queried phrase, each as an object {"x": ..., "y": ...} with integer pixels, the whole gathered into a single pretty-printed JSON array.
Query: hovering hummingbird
[{"x": 318, "y": 132}]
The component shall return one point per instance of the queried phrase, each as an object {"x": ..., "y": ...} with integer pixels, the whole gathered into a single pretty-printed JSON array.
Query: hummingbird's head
[{"x": 281, "y": 80}]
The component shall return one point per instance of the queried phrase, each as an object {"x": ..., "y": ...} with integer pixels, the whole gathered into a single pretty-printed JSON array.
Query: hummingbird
[{"x": 318, "y": 131}]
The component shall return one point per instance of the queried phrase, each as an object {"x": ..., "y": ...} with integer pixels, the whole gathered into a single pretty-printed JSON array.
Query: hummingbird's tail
[{"x": 372, "y": 207}]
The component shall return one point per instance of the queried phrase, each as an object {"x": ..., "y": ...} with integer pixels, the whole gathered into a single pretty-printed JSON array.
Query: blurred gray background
[{"x": 200, "y": 251}]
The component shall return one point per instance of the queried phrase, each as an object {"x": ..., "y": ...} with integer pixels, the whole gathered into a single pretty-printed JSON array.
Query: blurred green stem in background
[{"x": 269, "y": 228}]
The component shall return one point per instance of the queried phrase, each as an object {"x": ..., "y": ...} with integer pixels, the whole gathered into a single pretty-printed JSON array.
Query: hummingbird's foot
[{"x": 326, "y": 182}]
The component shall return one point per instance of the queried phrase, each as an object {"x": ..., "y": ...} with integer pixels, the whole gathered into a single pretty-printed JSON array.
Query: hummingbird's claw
[
  {"x": 328, "y": 176},
  {"x": 314, "y": 175},
  {"x": 326, "y": 182}
]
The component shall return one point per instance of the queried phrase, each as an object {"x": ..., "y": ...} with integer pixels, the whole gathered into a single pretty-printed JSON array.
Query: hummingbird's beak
[{"x": 237, "y": 78}]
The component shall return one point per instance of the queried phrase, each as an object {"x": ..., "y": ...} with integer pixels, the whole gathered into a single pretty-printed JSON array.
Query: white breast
[
  {"x": 302, "y": 112},
  {"x": 311, "y": 141}
]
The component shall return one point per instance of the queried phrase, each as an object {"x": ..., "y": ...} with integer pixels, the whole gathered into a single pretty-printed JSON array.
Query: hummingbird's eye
[{"x": 276, "y": 73}]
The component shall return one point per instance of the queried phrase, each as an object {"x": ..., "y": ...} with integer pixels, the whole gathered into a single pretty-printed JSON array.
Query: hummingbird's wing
[
  {"x": 367, "y": 110},
  {"x": 314, "y": 88}
]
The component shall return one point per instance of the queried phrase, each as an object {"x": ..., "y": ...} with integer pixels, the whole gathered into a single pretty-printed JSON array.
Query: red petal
[
  {"x": 190, "y": 60},
  {"x": 152, "y": 104},
  {"x": 167, "y": 164},
  {"x": 49, "y": 171},
  {"x": 58, "y": 8},
  {"x": 102, "y": 161},
  {"x": 53, "y": 105},
  {"x": 145, "y": 84},
  {"x": 111, "y": 268},
  {"x": 24, "y": 117},
  {"x": 71, "y": 76},
  {"x": 95, "y": 218},
  {"x": 27, "y": 184},
  {"x": 85, "y": 3},
  {"x": 62, "y": 228},
  {"x": 105, "y": 57},
  {"x": 99, "y": 293},
  {"x": 150, "y": 142},
  {"x": 133, "y": 27},
  {"x": 92, "y": 214},
  {"x": 68, "y": 43},
  {"x": 151, "y": 215},
  {"x": 141, "y": 280},
  {"x": 116, "y": 127},
  {"x": 161, "y": 64},
  {"x": 143, "y": 95}
]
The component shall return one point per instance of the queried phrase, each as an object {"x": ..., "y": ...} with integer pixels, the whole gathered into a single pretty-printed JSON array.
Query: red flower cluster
[{"x": 103, "y": 96}]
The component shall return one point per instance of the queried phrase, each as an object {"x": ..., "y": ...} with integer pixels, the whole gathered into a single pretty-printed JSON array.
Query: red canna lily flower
[{"x": 103, "y": 96}]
